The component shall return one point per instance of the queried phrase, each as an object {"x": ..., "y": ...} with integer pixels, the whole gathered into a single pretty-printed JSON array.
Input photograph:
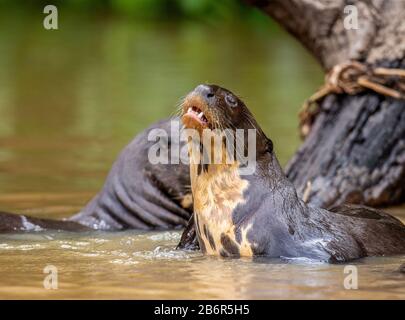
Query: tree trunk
[{"x": 355, "y": 151}]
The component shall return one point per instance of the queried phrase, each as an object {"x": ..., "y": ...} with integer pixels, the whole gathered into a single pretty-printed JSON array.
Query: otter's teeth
[
  {"x": 201, "y": 114},
  {"x": 190, "y": 109}
]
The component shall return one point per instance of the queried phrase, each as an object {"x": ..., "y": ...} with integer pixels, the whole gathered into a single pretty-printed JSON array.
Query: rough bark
[{"x": 355, "y": 151}]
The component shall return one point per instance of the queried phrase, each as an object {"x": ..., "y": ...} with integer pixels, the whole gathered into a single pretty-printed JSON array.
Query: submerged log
[{"x": 355, "y": 150}]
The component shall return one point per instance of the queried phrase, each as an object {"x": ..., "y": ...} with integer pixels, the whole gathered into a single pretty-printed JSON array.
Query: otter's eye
[{"x": 231, "y": 100}]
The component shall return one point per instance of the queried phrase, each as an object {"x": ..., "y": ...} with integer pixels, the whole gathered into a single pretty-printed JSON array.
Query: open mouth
[{"x": 196, "y": 116}]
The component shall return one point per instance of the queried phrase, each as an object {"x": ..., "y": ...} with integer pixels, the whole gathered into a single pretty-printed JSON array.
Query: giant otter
[
  {"x": 140, "y": 195},
  {"x": 136, "y": 195},
  {"x": 259, "y": 213}
]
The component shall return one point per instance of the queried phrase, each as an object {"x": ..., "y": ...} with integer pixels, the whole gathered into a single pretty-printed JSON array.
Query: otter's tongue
[{"x": 194, "y": 116}]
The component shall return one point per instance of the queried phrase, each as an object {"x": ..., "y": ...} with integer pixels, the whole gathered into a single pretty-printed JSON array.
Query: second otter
[{"x": 260, "y": 213}]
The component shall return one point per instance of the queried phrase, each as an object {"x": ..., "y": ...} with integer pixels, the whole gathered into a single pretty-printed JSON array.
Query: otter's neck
[
  {"x": 228, "y": 205},
  {"x": 219, "y": 188}
]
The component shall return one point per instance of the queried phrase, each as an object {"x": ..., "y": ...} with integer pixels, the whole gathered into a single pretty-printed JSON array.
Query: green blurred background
[
  {"x": 70, "y": 99},
  {"x": 202, "y": 10}
]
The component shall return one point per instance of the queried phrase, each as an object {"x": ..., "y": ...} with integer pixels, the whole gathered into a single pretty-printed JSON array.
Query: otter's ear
[{"x": 269, "y": 146}]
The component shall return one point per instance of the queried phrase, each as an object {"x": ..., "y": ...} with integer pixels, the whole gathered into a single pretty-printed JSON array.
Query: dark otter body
[
  {"x": 136, "y": 195},
  {"x": 16, "y": 223},
  {"x": 260, "y": 213},
  {"x": 141, "y": 195}
]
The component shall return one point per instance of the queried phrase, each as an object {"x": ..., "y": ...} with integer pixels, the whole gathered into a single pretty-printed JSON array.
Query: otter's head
[{"x": 215, "y": 108}]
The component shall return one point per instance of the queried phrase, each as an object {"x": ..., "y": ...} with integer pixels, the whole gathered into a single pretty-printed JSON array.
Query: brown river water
[{"x": 71, "y": 99}]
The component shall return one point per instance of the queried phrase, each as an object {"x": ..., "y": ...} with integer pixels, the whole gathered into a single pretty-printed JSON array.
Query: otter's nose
[{"x": 205, "y": 91}]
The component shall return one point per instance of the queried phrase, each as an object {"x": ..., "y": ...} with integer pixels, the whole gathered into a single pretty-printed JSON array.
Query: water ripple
[{"x": 160, "y": 253}]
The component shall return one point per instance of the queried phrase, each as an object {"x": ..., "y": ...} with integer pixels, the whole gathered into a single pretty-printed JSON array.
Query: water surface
[{"x": 145, "y": 265}]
